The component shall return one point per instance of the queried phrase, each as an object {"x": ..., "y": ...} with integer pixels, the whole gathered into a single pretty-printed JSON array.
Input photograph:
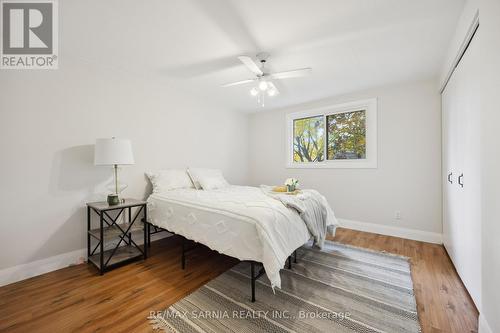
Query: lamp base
[{"x": 113, "y": 199}]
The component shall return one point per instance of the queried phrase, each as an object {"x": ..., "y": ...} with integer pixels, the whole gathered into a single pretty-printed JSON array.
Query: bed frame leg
[
  {"x": 183, "y": 256},
  {"x": 149, "y": 234},
  {"x": 295, "y": 256},
  {"x": 252, "y": 275}
]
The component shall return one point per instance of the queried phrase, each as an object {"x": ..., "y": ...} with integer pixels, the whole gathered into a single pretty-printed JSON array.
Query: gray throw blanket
[{"x": 312, "y": 208}]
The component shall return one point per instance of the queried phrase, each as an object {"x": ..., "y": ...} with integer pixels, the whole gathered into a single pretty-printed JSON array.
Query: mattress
[{"x": 239, "y": 221}]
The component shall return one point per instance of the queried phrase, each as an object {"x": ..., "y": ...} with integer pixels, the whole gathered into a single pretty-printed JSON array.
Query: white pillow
[
  {"x": 207, "y": 179},
  {"x": 166, "y": 180}
]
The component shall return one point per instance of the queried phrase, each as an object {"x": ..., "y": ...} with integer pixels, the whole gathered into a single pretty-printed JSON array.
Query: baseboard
[
  {"x": 419, "y": 235},
  {"x": 483, "y": 325},
  {"x": 42, "y": 266}
]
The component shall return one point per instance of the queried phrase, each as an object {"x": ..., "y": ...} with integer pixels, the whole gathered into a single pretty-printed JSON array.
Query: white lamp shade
[{"x": 113, "y": 151}]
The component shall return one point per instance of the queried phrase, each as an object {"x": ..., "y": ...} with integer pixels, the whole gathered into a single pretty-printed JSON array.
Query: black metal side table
[{"x": 109, "y": 229}]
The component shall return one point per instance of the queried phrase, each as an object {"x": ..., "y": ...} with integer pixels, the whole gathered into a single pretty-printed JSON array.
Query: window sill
[{"x": 334, "y": 165}]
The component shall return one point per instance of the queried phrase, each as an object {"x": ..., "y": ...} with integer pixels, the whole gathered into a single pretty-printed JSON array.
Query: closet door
[
  {"x": 446, "y": 106},
  {"x": 452, "y": 209},
  {"x": 461, "y": 149},
  {"x": 470, "y": 253}
]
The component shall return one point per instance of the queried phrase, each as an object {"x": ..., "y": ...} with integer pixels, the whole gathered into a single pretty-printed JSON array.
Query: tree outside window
[
  {"x": 308, "y": 139},
  {"x": 335, "y": 136},
  {"x": 346, "y": 135}
]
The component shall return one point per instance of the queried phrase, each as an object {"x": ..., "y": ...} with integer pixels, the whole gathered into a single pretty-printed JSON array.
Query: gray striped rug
[{"x": 338, "y": 289}]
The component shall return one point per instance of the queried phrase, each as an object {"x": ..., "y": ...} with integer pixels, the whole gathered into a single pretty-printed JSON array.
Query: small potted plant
[{"x": 291, "y": 184}]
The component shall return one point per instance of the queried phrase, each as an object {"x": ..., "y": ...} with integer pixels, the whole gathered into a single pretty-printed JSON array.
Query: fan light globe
[
  {"x": 271, "y": 92},
  {"x": 254, "y": 92},
  {"x": 263, "y": 85}
]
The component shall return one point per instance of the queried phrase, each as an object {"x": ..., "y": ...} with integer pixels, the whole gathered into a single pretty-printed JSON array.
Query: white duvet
[{"x": 239, "y": 221}]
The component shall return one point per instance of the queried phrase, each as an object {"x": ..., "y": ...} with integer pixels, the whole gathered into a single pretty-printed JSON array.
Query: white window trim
[{"x": 370, "y": 162}]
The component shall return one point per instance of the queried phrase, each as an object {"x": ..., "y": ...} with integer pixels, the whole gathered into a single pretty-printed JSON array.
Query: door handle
[
  {"x": 460, "y": 182},
  {"x": 449, "y": 177}
]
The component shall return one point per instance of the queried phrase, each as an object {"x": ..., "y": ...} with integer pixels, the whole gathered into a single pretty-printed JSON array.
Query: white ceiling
[{"x": 350, "y": 44}]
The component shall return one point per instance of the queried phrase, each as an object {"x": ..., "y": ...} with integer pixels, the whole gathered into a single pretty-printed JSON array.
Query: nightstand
[{"x": 108, "y": 230}]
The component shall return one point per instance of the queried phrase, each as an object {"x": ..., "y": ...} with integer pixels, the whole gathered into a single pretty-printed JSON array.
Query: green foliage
[
  {"x": 347, "y": 135},
  {"x": 308, "y": 139}
]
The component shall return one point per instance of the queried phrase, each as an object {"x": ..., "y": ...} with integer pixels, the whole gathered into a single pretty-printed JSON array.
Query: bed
[{"x": 239, "y": 221}]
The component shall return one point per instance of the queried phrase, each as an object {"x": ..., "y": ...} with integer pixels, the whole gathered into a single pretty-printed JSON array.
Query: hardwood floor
[
  {"x": 442, "y": 301},
  {"x": 78, "y": 299}
]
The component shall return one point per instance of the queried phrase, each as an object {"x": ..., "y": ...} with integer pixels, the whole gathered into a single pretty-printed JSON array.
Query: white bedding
[
  {"x": 312, "y": 207},
  {"x": 240, "y": 221}
]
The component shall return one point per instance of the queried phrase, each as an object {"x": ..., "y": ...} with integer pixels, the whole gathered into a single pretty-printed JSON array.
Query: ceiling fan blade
[
  {"x": 273, "y": 87},
  {"x": 251, "y": 65},
  {"x": 290, "y": 74},
  {"x": 237, "y": 83}
]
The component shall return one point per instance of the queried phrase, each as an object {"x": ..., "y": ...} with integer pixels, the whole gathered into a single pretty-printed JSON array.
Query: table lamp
[{"x": 113, "y": 152}]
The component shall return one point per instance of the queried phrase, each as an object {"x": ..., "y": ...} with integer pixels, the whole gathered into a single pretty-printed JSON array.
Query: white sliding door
[{"x": 461, "y": 170}]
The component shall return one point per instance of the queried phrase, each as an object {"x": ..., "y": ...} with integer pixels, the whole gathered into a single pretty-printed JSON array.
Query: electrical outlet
[{"x": 397, "y": 215}]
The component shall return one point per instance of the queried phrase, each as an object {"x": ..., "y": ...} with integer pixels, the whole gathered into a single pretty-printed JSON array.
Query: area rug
[{"x": 338, "y": 289}]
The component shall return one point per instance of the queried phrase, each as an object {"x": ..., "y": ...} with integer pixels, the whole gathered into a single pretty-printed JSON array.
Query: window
[
  {"x": 338, "y": 136},
  {"x": 309, "y": 139},
  {"x": 346, "y": 133}
]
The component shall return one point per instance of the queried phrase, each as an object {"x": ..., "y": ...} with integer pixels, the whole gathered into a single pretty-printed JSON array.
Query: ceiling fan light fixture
[
  {"x": 263, "y": 85},
  {"x": 262, "y": 81}
]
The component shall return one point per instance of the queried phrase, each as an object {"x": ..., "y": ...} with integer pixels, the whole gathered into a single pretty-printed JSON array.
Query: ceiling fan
[{"x": 263, "y": 78}]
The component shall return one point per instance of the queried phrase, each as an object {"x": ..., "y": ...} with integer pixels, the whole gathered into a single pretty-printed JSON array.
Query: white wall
[
  {"x": 49, "y": 121},
  {"x": 490, "y": 163},
  {"x": 408, "y": 177}
]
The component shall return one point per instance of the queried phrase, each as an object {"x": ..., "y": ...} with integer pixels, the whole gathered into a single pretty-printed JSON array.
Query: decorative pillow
[
  {"x": 171, "y": 179},
  {"x": 207, "y": 179}
]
